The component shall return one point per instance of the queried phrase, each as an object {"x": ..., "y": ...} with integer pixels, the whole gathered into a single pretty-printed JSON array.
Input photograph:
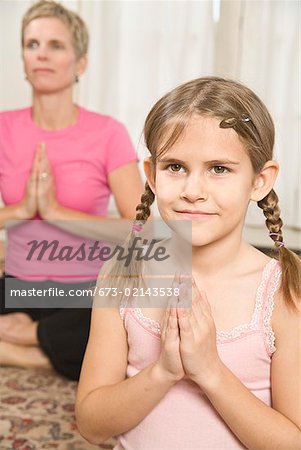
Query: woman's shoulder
[
  {"x": 14, "y": 115},
  {"x": 93, "y": 118},
  {"x": 13, "y": 123}
]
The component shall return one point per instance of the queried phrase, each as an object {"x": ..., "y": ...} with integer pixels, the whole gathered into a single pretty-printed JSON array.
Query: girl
[{"x": 224, "y": 373}]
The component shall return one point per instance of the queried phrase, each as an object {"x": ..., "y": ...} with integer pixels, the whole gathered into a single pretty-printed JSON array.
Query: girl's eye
[
  {"x": 219, "y": 170},
  {"x": 175, "y": 167}
]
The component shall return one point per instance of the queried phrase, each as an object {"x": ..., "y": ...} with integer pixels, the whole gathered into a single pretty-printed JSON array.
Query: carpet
[{"x": 37, "y": 412}]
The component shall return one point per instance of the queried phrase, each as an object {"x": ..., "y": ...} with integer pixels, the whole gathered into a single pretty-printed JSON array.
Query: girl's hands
[
  {"x": 188, "y": 338},
  {"x": 197, "y": 336},
  {"x": 46, "y": 198},
  {"x": 169, "y": 362}
]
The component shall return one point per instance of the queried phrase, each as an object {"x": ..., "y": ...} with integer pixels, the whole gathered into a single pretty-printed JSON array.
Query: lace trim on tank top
[
  {"x": 267, "y": 326},
  {"x": 240, "y": 330},
  {"x": 254, "y": 324}
]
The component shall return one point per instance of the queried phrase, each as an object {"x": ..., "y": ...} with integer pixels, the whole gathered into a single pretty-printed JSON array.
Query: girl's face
[
  {"x": 49, "y": 58},
  {"x": 207, "y": 178}
]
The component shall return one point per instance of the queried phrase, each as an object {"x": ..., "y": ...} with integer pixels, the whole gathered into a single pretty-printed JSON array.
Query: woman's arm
[
  {"x": 2, "y": 256},
  {"x": 11, "y": 213},
  {"x": 27, "y": 207},
  {"x": 108, "y": 404},
  {"x": 126, "y": 187}
]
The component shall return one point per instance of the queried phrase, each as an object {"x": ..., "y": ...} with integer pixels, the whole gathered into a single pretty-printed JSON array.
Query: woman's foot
[
  {"x": 18, "y": 328},
  {"x": 20, "y": 356}
]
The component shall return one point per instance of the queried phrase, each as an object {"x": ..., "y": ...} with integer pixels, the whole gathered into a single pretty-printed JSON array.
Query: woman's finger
[
  {"x": 45, "y": 168},
  {"x": 35, "y": 167}
]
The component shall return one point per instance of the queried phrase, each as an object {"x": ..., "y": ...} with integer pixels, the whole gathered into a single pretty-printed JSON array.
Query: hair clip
[
  {"x": 245, "y": 118},
  {"x": 230, "y": 122}
]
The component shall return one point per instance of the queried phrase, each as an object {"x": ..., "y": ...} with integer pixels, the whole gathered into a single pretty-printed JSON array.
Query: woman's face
[{"x": 49, "y": 57}]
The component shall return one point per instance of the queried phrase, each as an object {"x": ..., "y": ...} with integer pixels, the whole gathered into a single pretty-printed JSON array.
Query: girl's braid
[
  {"x": 271, "y": 210},
  {"x": 147, "y": 199}
]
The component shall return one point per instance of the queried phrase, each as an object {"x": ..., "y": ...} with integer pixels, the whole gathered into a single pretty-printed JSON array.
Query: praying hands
[
  {"x": 40, "y": 188},
  {"x": 189, "y": 338}
]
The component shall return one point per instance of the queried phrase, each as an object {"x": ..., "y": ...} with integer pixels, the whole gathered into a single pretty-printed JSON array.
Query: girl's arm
[
  {"x": 107, "y": 404},
  {"x": 257, "y": 426}
]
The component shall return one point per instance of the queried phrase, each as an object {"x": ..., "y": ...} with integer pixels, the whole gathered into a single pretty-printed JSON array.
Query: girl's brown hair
[
  {"x": 77, "y": 27},
  {"x": 236, "y": 106}
]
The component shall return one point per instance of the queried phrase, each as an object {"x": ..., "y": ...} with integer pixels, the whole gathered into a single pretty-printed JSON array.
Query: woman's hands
[
  {"x": 188, "y": 338},
  {"x": 46, "y": 199},
  {"x": 28, "y": 205},
  {"x": 40, "y": 188}
]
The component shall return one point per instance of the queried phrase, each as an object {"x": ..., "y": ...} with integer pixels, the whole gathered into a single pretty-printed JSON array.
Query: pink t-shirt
[
  {"x": 81, "y": 156},
  {"x": 185, "y": 419}
]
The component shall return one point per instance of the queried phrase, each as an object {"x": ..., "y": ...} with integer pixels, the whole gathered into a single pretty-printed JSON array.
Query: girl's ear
[
  {"x": 149, "y": 170},
  {"x": 264, "y": 181}
]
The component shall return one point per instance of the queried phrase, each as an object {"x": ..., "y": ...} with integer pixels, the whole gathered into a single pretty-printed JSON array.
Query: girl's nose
[{"x": 194, "y": 189}]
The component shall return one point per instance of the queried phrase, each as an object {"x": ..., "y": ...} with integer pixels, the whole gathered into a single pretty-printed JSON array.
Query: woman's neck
[{"x": 54, "y": 112}]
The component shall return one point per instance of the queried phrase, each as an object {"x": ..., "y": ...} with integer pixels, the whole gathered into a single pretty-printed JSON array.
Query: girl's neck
[
  {"x": 225, "y": 259},
  {"x": 54, "y": 112}
]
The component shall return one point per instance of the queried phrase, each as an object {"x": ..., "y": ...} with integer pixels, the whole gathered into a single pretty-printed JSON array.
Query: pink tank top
[{"x": 185, "y": 419}]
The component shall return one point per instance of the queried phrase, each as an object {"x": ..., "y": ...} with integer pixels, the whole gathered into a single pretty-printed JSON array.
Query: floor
[{"x": 37, "y": 412}]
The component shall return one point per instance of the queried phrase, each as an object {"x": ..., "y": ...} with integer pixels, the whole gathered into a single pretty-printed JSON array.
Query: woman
[{"x": 58, "y": 162}]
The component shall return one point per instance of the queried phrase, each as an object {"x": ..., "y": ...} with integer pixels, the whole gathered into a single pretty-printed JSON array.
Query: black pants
[{"x": 62, "y": 332}]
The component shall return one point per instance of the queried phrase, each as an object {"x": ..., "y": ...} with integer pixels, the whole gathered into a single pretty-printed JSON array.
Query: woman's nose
[
  {"x": 42, "y": 53},
  {"x": 195, "y": 189}
]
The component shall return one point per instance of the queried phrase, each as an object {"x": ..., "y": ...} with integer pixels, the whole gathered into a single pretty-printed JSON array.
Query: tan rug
[{"x": 37, "y": 412}]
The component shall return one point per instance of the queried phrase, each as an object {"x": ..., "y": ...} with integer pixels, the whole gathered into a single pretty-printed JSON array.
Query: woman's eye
[
  {"x": 32, "y": 44},
  {"x": 219, "y": 170},
  {"x": 175, "y": 167},
  {"x": 56, "y": 45}
]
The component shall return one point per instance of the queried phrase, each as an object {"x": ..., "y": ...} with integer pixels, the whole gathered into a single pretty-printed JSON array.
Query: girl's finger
[
  {"x": 199, "y": 300},
  {"x": 185, "y": 326},
  {"x": 165, "y": 323},
  {"x": 205, "y": 303}
]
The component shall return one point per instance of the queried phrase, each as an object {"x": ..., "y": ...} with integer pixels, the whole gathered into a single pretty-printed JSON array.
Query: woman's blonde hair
[
  {"x": 237, "y": 107},
  {"x": 77, "y": 27}
]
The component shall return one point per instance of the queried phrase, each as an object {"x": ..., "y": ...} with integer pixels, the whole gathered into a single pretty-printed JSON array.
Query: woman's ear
[
  {"x": 264, "y": 181},
  {"x": 81, "y": 65},
  {"x": 149, "y": 170}
]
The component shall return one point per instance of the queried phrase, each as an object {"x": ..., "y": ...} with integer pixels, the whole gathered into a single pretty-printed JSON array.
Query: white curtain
[
  {"x": 141, "y": 49},
  {"x": 258, "y": 43}
]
